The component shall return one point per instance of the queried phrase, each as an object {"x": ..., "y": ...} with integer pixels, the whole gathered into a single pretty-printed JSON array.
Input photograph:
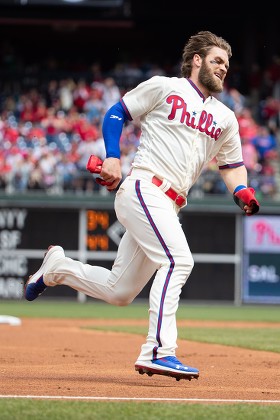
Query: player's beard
[{"x": 207, "y": 79}]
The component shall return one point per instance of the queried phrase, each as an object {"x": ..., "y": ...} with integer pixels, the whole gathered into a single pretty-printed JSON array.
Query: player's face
[{"x": 213, "y": 70}]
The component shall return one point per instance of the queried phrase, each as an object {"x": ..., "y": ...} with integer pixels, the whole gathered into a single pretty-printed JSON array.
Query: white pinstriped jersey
[{"x": 181, "y": 130}]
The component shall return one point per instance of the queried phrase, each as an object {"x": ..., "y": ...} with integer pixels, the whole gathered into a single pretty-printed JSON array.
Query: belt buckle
[{"x": 180, "y": 200}]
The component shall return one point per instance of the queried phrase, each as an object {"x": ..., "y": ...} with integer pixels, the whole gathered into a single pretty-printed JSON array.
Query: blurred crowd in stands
[{"x": 50, "y": 126}]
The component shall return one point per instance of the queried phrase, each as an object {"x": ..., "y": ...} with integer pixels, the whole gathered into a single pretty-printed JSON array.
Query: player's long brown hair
[{"x": 200, "y": 44}]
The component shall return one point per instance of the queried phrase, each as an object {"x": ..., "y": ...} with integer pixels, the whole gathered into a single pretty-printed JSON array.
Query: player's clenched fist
[
  {"x": 246, "y": 200},
  {"x": 111, "y": 173}
]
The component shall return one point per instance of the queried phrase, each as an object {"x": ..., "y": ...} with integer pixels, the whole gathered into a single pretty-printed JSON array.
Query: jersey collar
[{"x": 196, "y": 88}]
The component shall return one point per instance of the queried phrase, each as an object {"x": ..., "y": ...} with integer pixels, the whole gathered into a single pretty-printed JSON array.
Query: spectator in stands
[
  {"x": 40, "y": 111},
  {"x": 65, "y": 93},
  {"x": 67, "y": 172},
  {"x": 265, "y": 143},
  {"x": 81, "y": 94},
  {"x": 233, "y": 99},
  {"x": 36, "y": 178},
  {"x": 94, "y": 107},
  {"x": 250, "y": 156},
  {"x": 111, "y": 93},
  {"x": 270, "y": 112},
  {"x": 248, "y": 127},
  {"x": 47, "y": 165},
  {"x": 22, "y": 171}
]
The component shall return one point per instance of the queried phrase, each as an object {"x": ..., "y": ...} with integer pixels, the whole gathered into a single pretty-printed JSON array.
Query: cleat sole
[{"x": 178, "y": 376}]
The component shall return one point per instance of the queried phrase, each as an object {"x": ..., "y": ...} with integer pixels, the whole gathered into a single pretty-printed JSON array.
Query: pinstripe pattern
[{"x": 169, "y": 256}]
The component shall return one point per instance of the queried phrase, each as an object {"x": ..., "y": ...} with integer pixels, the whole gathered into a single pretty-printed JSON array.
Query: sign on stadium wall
[
  {"x": 261, "y": 260},
  {"x": 93, "y": 235}
]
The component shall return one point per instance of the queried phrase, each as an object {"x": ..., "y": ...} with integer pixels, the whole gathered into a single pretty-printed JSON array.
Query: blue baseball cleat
[
  {"x": 168, "y": 366},
  {"x": 35, "y": 285},
  {"x": 35, "y": 289}
]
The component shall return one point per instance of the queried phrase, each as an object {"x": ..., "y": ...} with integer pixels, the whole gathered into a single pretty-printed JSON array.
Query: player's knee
[
  {"x": 121, "y": 299},
  {"x": 123, "y": 302},
  {"x": 185, "y": 265},
  {"x": 190, "y": 263}
]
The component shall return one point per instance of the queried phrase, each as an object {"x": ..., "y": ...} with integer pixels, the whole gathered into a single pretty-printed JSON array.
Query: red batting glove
[
  {"x": 246, "y": 197},
  {"x": 94, "y": 166}
]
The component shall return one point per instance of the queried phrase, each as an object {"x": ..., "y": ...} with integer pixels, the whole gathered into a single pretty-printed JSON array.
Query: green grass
[
  {"x": 253, "y": 338},
  {"x": 73, "y": 410},
  {"x": 265, "y": 339},
  {"x": 95, "y": 309},
  {"x": 258, "y": 338}
]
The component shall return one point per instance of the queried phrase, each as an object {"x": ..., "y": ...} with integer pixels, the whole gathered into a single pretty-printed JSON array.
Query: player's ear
[{"x": 197, "y": 60}]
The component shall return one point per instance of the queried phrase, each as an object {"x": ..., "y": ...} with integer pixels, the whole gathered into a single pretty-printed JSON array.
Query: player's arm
[
  {"x": 113, "y": 122},
  {"x": 236, "y": 181}
]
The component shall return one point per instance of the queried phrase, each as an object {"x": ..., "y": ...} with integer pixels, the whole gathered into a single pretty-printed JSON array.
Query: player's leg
[
  {"x": 130, "y": 273},
  {"x": 160, "y": 235},
  {"x": 119, "y": 286}
]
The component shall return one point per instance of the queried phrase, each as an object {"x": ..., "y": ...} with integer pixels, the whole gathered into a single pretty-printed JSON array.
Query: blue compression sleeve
[{"x": 113, "y": 122}]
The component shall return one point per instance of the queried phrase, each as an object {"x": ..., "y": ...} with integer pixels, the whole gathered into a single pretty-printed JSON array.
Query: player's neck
[{"x": 201, "y": 87}]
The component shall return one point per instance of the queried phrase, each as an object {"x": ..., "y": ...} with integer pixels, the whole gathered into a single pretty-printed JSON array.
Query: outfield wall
[{"x": 229, "y": 267}]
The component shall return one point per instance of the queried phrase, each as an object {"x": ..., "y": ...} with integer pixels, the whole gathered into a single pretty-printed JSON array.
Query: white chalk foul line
[{"x": 206, "y": 400}]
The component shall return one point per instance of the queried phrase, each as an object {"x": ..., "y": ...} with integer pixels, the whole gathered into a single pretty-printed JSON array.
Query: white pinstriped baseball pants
[{"x": 153, "y": 242}]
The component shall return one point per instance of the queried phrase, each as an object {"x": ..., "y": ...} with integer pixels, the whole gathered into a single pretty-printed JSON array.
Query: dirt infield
[{"x": 50, "y": 357}]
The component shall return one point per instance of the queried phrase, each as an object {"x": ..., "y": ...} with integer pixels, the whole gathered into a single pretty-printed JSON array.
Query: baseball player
[{"x": 183, "y": 126}]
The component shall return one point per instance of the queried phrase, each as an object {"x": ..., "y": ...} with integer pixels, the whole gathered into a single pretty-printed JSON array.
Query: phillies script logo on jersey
[{"x": 204, "y": 124}]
